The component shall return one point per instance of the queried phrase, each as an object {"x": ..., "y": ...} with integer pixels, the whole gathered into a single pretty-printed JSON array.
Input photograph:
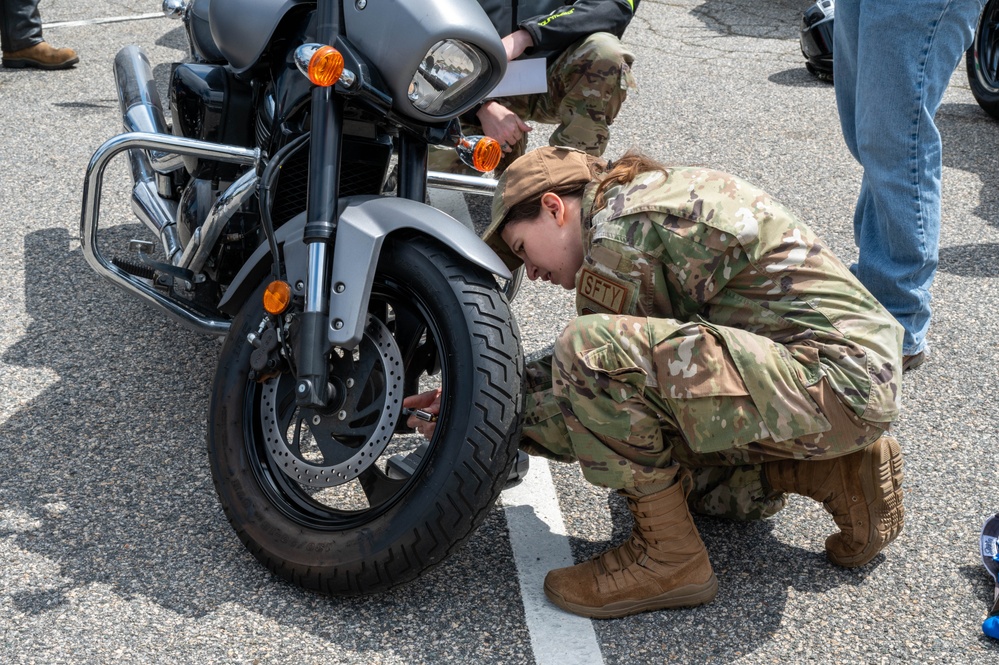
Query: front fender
[{"x": 364, "y": 223}]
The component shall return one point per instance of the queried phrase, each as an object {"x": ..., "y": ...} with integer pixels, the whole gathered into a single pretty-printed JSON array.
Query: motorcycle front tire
[{"x": 430, "y": 515}]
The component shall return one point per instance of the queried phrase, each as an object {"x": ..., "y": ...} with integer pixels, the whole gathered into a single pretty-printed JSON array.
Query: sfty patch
[{"x": 607, "y": 293}]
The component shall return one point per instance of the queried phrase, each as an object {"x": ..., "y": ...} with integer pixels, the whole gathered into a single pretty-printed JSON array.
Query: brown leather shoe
[
  {"x": 862, "y": 491},
  {"x": 663, "y": 564},
  {"x": 41, "y": 56}
]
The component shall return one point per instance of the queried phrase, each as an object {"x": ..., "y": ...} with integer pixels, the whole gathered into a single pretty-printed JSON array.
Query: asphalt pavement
[{"x": 113, "y": 547}]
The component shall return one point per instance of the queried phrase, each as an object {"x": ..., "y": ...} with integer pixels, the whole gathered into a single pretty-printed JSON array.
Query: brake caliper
[{"x": 267, "y": 360}]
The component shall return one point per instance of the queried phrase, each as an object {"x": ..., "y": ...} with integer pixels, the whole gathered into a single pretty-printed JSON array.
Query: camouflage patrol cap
[{"x": 527, "y": 178}]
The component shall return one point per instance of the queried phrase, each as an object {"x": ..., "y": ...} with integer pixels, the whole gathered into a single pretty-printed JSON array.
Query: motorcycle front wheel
[
  {"x": 348, "y": 500},
  {"x": 982, "y": 60}
]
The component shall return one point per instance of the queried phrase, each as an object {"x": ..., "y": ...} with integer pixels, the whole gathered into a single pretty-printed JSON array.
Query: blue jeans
[
  {"x": 20, "y": 24},
  {"x": 893, "y": 60}
]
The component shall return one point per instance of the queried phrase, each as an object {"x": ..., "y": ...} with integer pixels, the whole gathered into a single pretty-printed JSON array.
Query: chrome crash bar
[
  {"x": 469, "y": 184},
  {"x": 158, "y": 214}
]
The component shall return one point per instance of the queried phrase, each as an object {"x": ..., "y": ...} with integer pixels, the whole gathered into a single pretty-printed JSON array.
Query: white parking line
[
  {"x": 539, "y": 542},
  {"x": 98, "y": 21},
  {"x": 537, "y": 530},
  {"x": 538, "y": 538}
]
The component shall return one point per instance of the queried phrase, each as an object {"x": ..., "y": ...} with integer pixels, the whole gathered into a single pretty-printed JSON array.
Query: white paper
[{"x": 523, "y": 77}]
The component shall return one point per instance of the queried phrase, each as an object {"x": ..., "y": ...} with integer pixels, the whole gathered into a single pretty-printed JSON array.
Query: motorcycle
[
  {"x": 816, "y": 39},
  {"x": 288, "y": 201},
  {"x": 982, "y": 60}
]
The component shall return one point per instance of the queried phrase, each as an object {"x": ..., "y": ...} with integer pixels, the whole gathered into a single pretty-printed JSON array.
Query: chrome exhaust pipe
[
  {"x": 141, "y": 108},
  {"x": 141, "y": 111},
  {"x": 231, "y": 200}
]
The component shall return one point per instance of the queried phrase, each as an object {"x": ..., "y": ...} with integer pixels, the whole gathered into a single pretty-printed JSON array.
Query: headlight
[{"x": 446, "y": 78}]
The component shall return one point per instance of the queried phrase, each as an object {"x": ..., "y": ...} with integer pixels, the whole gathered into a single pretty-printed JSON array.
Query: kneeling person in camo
[
  {"x": 715, "y": 334},
  {"x": 588, "y": 72}
]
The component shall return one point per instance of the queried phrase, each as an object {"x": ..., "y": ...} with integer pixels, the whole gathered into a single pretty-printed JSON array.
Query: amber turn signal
[
  {"x": 486, "y": 154},
  {"x": 325, "y": 66},
  {"x": 277, "y": 297}
]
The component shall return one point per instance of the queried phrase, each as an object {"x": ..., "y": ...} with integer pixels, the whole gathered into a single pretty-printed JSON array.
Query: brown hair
[
  {"x": 625, "y": 169},
  {"x": 531, "y": 209}
]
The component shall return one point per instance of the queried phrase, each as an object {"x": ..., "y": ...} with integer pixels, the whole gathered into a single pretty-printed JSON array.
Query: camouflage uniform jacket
[{"x": 708, "y": 247}]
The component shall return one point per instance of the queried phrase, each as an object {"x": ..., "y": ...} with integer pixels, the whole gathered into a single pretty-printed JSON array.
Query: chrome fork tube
[
  {"x": 313, "y": 388},
  {"x": 315, "y": 295}
]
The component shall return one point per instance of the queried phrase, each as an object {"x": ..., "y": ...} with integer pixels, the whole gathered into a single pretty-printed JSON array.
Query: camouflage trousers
[
  {"x": 629, "y": 398},
  {"x": 587, "y": 84}
]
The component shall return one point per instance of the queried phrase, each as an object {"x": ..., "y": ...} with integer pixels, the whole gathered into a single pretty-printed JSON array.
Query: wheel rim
[
  {"x": 986, "y": 48},
  {"x": 364, "y": 492},
  {"x": 350, "y": 435}
]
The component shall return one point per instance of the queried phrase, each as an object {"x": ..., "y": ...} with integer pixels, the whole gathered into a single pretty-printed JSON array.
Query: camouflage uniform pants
[
  {"x": 587, "y": 84},
  {"x": 631, "y": 397}
]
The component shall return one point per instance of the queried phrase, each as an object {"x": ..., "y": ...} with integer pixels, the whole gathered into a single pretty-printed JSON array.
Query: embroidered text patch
[{"x": 602, "y": 291}]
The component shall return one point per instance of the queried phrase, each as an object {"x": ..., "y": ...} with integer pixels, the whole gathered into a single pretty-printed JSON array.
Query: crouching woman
[{"x": 714, "y": 332}]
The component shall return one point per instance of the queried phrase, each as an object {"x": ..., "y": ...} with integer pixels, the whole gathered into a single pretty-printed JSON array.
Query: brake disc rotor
[{"x": 386, "y": 370}]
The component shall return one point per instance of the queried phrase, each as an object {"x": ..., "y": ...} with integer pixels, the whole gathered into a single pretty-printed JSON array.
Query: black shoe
[{"x": 913, "y": 361}]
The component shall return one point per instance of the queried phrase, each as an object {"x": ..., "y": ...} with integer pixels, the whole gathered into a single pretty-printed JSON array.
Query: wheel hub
[{"x": 334, "y": 446}]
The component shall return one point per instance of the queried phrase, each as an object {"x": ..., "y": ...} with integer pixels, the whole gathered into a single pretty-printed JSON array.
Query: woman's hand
[
  {"x": 430, "y": 402},
  {"x": 498, "y": 121}
]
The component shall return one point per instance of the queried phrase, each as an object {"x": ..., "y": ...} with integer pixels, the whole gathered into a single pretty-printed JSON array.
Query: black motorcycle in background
[
  {"x": 982, "y": 60},
  {"x": 287, "y": 207},
  {"x": 816, "y": 39}
]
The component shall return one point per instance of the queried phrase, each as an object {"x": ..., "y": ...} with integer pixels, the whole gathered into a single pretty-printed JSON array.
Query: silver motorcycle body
[{"x": 264, "y": 177}]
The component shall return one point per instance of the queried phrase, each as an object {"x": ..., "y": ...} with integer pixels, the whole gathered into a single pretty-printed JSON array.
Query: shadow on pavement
[
  {"x": 971, "y": 143},
  {"x": 755, "y": 573},
  {"x": 777, "y": 19},
  {"x": 798, "y": 77},
  {"x": 106, "y": 481}
]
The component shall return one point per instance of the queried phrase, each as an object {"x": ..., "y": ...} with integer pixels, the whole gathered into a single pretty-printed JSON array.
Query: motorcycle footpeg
[
  {"x": 134, "y": 268},
  {"x": 403, "y": 466},
  {"x": 167, "y": 269}
]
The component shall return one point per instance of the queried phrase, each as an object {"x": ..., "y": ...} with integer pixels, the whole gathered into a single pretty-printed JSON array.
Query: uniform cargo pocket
[
  {"x": 620, "y": 368},
  {"x": 728, "y": 388}
]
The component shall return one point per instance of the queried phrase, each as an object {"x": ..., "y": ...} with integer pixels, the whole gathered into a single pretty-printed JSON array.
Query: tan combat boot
[
  {"x": 41, "y": 56},
  {"x": 663, "y": 564},
  {"x": 862, "y": 491}
]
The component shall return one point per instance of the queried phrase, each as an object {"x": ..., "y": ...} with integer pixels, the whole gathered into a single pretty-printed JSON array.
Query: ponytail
[{"x": 625, "y": 169}]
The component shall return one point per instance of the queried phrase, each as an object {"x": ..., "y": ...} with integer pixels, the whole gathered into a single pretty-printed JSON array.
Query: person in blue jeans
[{"x": 893, "y": 60}]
